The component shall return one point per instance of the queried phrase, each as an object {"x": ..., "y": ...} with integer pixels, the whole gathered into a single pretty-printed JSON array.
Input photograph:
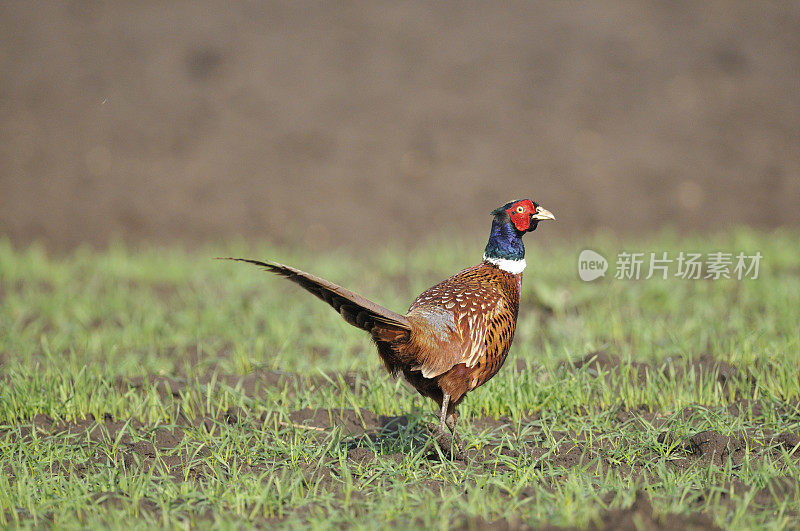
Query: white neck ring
[{"x": 515, "y": 267}]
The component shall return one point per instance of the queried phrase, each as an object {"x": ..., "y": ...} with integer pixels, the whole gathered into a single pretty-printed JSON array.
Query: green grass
[{"x": 157, "y": 341}]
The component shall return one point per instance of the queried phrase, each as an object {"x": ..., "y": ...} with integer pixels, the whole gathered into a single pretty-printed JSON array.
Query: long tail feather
[{"x": 355, "y": 309}]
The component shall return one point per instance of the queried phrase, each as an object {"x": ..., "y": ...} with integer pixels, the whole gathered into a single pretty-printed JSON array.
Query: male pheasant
[{"x": 456, "y": 335}]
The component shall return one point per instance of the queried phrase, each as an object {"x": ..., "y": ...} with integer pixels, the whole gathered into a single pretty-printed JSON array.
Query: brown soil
[
  {"x": 250, "y": 384},
  {"x": 639, "y": 516},
  {"x": 674, "y": 368},
  {"x": 370, "y": 122}
]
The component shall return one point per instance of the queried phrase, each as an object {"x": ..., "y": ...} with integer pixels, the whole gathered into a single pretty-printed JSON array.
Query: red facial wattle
[{"x": 520, "y": 214}]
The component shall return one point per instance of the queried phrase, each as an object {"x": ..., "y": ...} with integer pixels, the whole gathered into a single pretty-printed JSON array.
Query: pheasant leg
[
  {"x": 451, "y": 422},
  {"x": 441, "y": 435},
  {"x": 443, "y": 414}
]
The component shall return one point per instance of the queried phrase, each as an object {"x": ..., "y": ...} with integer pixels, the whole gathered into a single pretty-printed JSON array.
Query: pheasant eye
[{"x": 520, "y": 209}]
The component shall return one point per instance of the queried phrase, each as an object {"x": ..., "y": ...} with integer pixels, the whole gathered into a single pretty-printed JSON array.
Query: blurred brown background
[{"x": 356, "y": 122}]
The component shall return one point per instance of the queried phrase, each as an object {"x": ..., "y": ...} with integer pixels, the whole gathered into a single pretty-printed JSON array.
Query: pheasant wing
[{"x": 458, "y": 324}]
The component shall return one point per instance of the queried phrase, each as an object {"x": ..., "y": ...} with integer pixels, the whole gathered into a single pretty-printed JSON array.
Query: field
[{"x": 156, "y": 386}]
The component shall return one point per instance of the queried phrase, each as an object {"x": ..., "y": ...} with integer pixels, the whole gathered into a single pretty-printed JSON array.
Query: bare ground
[{"x": 362, "y": 122}]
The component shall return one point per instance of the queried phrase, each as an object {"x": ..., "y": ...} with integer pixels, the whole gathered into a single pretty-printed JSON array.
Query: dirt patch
[
  {"x": 162, "y": 450},
  {"x": 502, "y": 423},
  {"x": 789, "y": 440},
  {"x": 709, "y": 447},
  {"x": 640, "y": 516},
  {"x": 134, "y": 444},
  {"x": 361, "y": 455},
  {"x": 641, "y": 414},
  {"x": 252, "y": 384},
  {"x": 114, "y": 500},
  {"x": 777, "y": 490},
  {"x": 703, "y": 448},
  {"x": 674, "y": 368},
  {"x": 350, "y": 421},
  {"x": 566, "y": 454},
  {"x": 127, "y": 444},
  {"x": 712, "y": 447},
  {"x": 724, "y": 373},
  {"x": 602, "y": 362},
  {"x": 478, "y": 523}
]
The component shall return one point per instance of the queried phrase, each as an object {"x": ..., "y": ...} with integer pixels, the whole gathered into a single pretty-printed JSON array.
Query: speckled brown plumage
[{"x": 457, "y": 334}]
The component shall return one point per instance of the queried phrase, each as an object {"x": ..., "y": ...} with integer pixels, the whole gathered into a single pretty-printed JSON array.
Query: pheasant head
[{"x": 511, "y": 221}]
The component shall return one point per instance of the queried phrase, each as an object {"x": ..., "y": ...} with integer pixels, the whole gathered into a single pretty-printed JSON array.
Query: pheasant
[{"x": 456, "y": 335}]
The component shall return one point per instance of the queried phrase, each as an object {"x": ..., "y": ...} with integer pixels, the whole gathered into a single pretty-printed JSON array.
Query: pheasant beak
[{"x": 543, "y": 213}]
